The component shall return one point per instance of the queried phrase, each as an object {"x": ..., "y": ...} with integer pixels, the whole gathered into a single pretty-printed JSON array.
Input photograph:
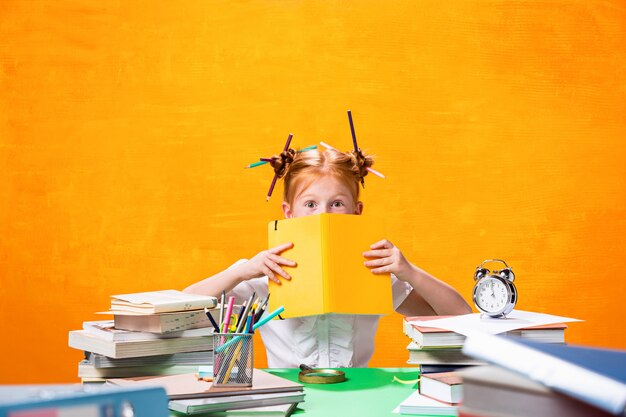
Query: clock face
[{"x": 492, "y": 295}]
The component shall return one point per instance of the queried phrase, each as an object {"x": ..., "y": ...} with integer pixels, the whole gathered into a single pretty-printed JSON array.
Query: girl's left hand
[{"x": 389, "y": 259}]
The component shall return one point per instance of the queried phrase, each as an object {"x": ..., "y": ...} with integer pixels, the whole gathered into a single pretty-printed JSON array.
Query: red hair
[{"x": 302, "y": 169}]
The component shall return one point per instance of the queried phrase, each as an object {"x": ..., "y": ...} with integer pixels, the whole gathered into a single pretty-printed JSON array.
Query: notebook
[{"x": 328, "y": 249}]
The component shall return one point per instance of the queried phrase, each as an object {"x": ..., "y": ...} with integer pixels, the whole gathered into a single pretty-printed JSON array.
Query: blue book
[
  {"x": 81, "y": 400},
  {"x": 593, "y": 375}
]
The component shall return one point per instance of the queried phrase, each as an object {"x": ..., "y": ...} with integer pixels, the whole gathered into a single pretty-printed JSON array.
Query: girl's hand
[
  {"x": 268, "y": 263},
  {"x": 389, "y": 259}
]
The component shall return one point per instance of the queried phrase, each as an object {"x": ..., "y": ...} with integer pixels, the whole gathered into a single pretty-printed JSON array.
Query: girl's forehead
[{"x": 325, "y": 185}]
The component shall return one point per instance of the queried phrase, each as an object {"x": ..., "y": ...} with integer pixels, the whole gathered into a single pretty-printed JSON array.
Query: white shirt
[{"x": 323, "y": 341}]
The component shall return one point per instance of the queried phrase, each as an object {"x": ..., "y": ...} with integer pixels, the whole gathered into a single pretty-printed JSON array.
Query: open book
[{"x": 161, "y": 302}]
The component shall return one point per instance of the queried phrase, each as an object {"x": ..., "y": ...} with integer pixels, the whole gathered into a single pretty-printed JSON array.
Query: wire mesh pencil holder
[{"x": 233, "y": 356}]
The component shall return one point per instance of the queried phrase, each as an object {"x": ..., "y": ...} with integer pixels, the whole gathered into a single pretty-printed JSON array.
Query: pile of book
[
  {"x": 269, "y": 395},
  {"x": 536, "y": 379},
  {"x": 152, "y": 333},
  {"x": 439, "y": 350},
  {"x": 439, "y": 394},
  {"x": 440, "y": 357}
]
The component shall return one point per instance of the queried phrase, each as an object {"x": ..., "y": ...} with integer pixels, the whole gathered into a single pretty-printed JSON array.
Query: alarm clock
[{"x": 494, "y": 292}]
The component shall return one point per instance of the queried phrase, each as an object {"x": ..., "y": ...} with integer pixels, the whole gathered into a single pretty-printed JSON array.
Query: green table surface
[{"x": 366, "y": 392}]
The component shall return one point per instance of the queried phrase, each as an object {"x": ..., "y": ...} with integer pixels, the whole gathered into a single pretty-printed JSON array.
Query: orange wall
[{"x": 125, "y": 126}]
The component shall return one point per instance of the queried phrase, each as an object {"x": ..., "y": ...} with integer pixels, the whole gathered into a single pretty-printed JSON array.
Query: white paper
[
  {"x": 470, "y": 323},
  {"x": 420, "y": 405}
]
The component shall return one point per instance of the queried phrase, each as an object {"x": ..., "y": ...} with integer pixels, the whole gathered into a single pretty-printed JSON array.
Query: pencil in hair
[
  {"x": 269, "y": 193},
  {"x": 356, "y": 147}
]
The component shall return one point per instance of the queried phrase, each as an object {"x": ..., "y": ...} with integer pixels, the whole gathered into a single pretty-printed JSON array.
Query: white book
[
  {"x": 82, "y": 340},
  {"x": 105, "y": 329},
  {"x": 161, "y": 301},
  {"x": 438, "y": 356},
  {"x": 417, "y": 404},
  {"x": 185, "y": 358},
  {"x": 205, "y": 405},
  {"x": 87, "y": 370}
]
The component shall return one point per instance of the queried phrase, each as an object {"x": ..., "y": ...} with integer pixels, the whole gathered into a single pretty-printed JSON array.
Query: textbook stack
[
  {"x": 189, "y": 395},
  {"x": 538, "y": 379},
  {"x": 155, "y": 333},
  {"x": 438, "y": 394},
  {"x": 440, "y": 350}
]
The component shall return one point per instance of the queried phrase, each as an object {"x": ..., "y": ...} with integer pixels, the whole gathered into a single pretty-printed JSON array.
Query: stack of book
[
  {"x": 188, "y": 395},
  {"x": 535, "y": 379},
  {"x": 439, "y": 350},
  {"x": 153, "y": 333},
  {"x": 438, "y": 394}
]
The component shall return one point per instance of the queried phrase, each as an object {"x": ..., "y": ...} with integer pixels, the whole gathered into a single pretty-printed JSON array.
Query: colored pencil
[
  {"x": 254, "y": 327},
  {"x": 263, "y": 161},
  {"x": 212, "y": 320},
  {"x": 269, "y": 193},
  {"x": 229, "y": 312},
  {"x": 356, "y": 148}
]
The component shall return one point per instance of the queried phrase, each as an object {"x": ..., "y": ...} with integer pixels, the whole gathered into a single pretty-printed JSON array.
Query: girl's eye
[
  {"x": 338, "y": 204},
  {"x": 309, "y": 204}
]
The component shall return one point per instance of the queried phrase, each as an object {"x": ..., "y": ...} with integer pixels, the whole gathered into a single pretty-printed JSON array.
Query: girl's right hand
[{"x": 268, "y": 263}]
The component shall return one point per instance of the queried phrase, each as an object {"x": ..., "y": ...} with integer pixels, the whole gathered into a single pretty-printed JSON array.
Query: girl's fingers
[
  {"x": 378, "y": 262},
  {"x": 382, "y": 270},
  {"x": 281, "y": 248},
  {"x": 379, "y": 253},
  {"x": 382, "y": 244},
  {"x": 277, "y": 269},
  {"x": 269, "y": 274},
  {"x": 281, "y": 261}
]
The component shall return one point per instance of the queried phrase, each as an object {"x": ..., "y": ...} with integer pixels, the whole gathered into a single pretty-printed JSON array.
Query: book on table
[
  {"x": 592, "y": 375},
  {"x": 153, "y": 302},
  {"x": 434, "y": 337},
  {"x": 203, "y": 357},
  {"x": 330, "y": 276},
  {"x": 432, "y": 369},
  {"x": 444, "y": 386},
  {"x": 235, "y": 402},
  {"x": 187, "y": 386},
  {"x": 83, "y": 340},
  {"x": 439, "y": 356},
  {"x": 284, "y": 410},
  {"x": 420, "y": 405},
  {"x": 163, "y": 322},
  {"x": 495, "y": 391},
  {"x": 88, "y": 372},
  {"x": 105, "y": 329}
]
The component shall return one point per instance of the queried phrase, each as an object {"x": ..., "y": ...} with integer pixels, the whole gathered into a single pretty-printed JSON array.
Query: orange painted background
[{"x": 125, "y": 126}]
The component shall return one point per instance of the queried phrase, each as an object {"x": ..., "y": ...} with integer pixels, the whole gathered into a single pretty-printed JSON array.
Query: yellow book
[{"x": 330, "y": 276}]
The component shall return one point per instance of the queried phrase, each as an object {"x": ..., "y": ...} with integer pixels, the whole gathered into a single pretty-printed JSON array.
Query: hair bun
[
  {"x": 282, "y": 162},
  {"x": 361, "y": 163}
]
